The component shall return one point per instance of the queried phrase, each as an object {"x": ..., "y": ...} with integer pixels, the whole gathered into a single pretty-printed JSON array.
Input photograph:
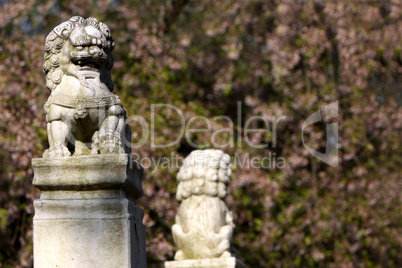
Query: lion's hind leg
[{"x": 180, "y": 239}]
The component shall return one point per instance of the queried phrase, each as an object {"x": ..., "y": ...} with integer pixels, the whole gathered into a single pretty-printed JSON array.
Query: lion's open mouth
[{"x": 87, "y": 65}]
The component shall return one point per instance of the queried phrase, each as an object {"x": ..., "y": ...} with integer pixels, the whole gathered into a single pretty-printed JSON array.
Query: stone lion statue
[
  {"x": 204, "y": 224},
  {"x": 83, "y": 115}
]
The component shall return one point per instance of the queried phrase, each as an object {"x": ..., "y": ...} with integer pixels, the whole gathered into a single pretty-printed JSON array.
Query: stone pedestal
[
  {"x": 230, "y": 262},
  {"x": 86, "y": 215}
]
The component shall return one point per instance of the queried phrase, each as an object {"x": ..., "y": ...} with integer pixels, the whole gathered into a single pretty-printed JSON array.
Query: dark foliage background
[{"x": 276, "y": 58}]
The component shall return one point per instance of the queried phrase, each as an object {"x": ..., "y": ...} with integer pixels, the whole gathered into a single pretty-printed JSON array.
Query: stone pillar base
[
  {"x": 231, "y": 262},
  {"x": 86, "y": 215}
]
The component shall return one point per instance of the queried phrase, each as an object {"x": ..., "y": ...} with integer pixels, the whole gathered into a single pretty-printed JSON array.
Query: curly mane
[{"x": 56, "y": 40}]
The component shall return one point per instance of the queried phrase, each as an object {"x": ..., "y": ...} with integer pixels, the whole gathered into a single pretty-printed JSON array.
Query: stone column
[
  {"x": 204, "y": 224},
  {"x": 86, "y": 215}
]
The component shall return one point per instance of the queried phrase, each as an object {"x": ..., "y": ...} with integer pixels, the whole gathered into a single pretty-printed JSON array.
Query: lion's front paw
[
  {"x": 107, "y": 143},
  {"x": 56, "y": 151}
]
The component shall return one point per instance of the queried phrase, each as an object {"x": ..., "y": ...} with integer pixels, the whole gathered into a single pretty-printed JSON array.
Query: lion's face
[
  {"x": 85, "y": 49},
  {"x": 78, "y": 46}
]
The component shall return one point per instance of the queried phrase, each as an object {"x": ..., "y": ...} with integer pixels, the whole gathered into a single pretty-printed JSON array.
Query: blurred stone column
[
  {"x": 86, "y": 215},
  {"x": 204, "y": 224}
]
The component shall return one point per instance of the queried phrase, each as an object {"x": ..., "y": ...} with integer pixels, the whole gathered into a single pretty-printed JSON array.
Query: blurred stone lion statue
[
  {"x": 204, "y": 224},
  {"x": 83, "y": 116}
]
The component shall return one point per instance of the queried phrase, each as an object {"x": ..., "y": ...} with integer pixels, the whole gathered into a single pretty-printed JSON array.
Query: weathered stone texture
[{"x": 86, "y": 215}]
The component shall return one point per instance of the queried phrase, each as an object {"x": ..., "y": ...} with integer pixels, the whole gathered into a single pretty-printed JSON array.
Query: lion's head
[
  {"x": 204, "y": 172},
  {"x": 75, "y": 46}
]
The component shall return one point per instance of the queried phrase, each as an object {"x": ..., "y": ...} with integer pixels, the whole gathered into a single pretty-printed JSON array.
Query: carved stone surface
[
  {"x": 86, "y": 215},
  {"x": 83, "y": 116},
  {"x": 204, "y": 224}
]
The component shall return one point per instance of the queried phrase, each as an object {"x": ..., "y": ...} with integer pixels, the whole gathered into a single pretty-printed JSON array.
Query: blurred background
[{"x": 274, "y": 58}]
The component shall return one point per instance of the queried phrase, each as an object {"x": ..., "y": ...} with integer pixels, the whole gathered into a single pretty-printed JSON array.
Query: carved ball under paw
[
  {"x": 111, "y": 144},
  {"x": 106, "y": 143}
]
